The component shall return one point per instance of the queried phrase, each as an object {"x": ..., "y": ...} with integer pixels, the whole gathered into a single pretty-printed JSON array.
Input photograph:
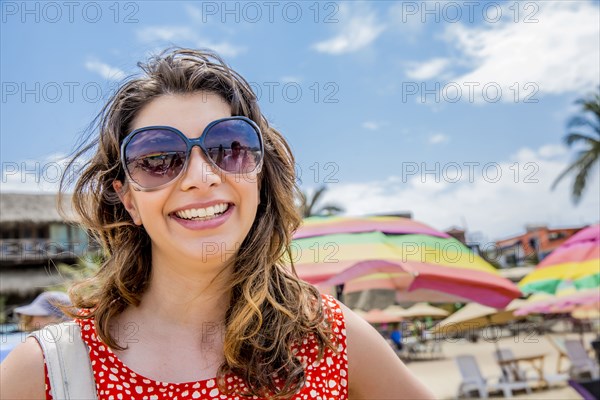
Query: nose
[{"x": 200, "y": 172}]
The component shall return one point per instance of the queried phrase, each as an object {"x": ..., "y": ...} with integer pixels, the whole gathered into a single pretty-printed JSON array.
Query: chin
[{"x": 211, "y": 251}]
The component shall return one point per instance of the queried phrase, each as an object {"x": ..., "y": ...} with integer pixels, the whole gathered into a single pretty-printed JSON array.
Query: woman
[
  {"x": 193, "y": 299},
  {"x": 44, "y": 310}
]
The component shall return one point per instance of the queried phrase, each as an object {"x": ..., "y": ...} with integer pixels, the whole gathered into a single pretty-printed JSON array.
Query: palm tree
[
  {"x": 308, "y": 204},
  {"x": 588, "y": 156}
]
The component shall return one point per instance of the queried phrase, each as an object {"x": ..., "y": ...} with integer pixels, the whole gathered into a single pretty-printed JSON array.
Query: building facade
[
  {"x": 532, "y": 246},
  {"x": 34, "y": 238}
]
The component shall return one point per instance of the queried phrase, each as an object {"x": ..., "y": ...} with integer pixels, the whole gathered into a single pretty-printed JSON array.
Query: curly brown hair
[{"x": 271, "y": 309}]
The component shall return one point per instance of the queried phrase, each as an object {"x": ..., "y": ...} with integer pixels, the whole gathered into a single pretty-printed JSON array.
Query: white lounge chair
[
  {"x": 473, "y": 380},
  {"x": 581, "y": 362},
  {"x": 510, "y": 373},
  {"x": 559, "y": 344},
  {"x": 435, "y": 349},
  {"x": 527, "y": 375}
]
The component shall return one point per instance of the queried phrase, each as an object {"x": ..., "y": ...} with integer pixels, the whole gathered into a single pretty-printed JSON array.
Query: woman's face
[
  {"x": 229, "y": 201},
  {"x": 31, "y": 323}
]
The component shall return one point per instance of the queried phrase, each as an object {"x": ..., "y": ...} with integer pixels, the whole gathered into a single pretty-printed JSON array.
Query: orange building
[{"x": 535, "y": 244}]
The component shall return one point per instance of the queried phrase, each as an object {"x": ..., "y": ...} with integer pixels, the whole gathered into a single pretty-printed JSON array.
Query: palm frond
[
  {"x": 588, "y": 157},
  {"x": 574, "y": 137},
  {"x": 591, "y": 104},
  {"x": 566, "y": 172},
  {"x": 330, "y": 209},
  {"x": 586, "y": 162},
  {"x": 309, "y": 205},
  {"x": 317, "y": 195},
  {"x": 580, "y": 121}
]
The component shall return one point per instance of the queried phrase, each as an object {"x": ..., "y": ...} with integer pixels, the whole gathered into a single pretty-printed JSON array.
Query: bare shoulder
[
  {"x": 22, "y": 372},
  {"x": 374, "y": 369}
]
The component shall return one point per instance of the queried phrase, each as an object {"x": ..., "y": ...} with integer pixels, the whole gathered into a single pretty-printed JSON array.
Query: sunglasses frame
[{"x": 190, "y": 143}]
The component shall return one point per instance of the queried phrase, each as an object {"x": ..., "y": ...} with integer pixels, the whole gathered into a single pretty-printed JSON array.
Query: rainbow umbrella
[
  {"x": 551, "y": 304},
  {"x": 589, "y": 311},
  {"x": 572, "y": 267},
  {"x": 396, "y": 253}
]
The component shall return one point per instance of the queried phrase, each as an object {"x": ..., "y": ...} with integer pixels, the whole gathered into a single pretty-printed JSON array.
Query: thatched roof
[{"x": 36, "y": 208}]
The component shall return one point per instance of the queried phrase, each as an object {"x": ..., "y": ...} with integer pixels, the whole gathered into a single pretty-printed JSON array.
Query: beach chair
[
  {"x": 528, "y": 375},
  {"x": 559, "y": 345},
  {"x": 415, "y": 350},
  {"x": 581, "y": 362},
  {"x": 512, "y": 373},
  {"x": 435, "y": 349},
  {"x": 473, "y": 380}
]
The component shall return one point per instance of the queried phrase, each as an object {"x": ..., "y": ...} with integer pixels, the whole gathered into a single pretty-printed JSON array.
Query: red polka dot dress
[{"x": 326, "y": 378}]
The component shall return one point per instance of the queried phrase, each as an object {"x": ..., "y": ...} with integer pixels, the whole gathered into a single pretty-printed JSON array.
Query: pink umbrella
[
  {"x": 380, "y": 317},
  {"x": 397, "y": 253},
  {"x": 572, "y": 267},
  {"x": 570, "y": 274},
  {"x": 560, "y": 304}
]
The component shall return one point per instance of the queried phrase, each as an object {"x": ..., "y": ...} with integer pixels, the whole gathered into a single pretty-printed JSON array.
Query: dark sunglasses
[{"x": 155, "y": 156}]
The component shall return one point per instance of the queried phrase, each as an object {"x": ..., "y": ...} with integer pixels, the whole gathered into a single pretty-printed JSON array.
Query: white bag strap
[{"x": 67, "y": 358}]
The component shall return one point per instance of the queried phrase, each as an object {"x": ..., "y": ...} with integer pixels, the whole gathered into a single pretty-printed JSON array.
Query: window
[
  {"x": 27, "y": 232},
  {"x": 556, "y": 235}
]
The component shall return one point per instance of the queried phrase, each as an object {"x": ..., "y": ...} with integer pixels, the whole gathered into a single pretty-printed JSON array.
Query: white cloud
[
  {"x": 358, "y": 28},
  {"x": 34, "y": 176},
  {"x": 497, "y": 199},
  {"x": 371, "y": 125},
  {"x": 552, "y": 150},
  {"x": 438, "y": 138},
  {"x": 105, "y": 70},
  {"x": 559, "y": 53},
  {"x": 167, "y": 33},
  {"x": 175, "y": 34},
  {"x": 428, "y": 69},
  {"x": 195, "y": 13},
  {"x": 404, "y": 20},
  {"x": 224, "y": 49},
  {"x": 290, "y": 79}
]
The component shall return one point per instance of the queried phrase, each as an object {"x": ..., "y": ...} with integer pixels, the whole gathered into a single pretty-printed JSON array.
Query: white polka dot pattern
[{"x": 326, "y": 378}]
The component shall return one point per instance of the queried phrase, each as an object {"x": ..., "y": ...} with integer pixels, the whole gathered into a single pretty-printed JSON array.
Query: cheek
[
  {"x": 150, "y": 205},
  {"x": 251, "y": 198}
]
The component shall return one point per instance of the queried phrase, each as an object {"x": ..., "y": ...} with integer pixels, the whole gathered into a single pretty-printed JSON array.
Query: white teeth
[{"x": 202, "y": 213}]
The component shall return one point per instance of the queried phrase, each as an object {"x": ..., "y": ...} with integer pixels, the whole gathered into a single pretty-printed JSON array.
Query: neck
[{"x": 185, "y": 297}]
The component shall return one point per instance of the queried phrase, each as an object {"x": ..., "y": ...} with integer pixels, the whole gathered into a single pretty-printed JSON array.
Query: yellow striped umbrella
[
  {"x": 570, "y": 275},
  {"x": 396, "y": 253}
]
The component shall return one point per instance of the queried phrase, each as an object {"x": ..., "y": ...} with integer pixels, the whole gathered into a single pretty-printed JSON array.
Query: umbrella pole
[
  {"x": 489, "y": 320},
  {"x": 496, "y": 345}
]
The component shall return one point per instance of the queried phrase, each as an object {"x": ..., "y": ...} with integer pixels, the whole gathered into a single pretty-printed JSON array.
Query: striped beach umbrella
[
  {"x": 572, "y": 267},
  {"x": 475, "y": 316},
  {"x": 560, "y": 304},
  {"x": 395, "y": 253}
]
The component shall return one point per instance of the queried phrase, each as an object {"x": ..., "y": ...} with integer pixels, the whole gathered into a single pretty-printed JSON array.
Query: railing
[{"x": 39, "y": 250}]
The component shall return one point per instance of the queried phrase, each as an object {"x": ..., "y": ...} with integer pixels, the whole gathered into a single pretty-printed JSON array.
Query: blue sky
[{"x": 371, "y": 95}]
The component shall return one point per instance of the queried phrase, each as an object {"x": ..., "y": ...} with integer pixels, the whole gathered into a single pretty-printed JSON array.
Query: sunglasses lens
[
  {"x": 234, "y": 145},
  {"x": 154, "y": 157}
]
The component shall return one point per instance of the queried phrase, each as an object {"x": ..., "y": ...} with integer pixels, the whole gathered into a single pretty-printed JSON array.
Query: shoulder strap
[{"x": 67, "y": 358}]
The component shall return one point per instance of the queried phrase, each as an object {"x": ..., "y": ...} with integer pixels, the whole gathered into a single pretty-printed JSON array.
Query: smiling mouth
[{"x": 202, "y": 214}]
